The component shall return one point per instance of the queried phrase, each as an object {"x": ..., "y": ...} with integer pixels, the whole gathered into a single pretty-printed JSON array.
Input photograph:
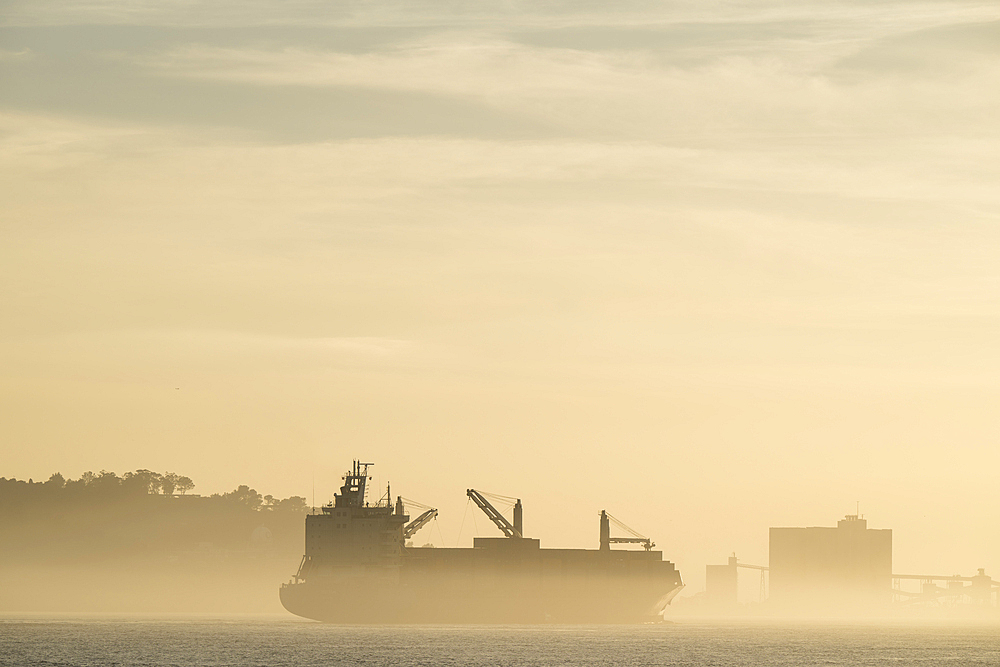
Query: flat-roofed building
[
  {"x": 721, "y": 584},
  {"x": 847, "y": 566}
]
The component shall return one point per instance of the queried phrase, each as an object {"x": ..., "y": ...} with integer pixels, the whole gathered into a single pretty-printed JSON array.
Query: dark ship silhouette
[{"x": 358, "y": 567}]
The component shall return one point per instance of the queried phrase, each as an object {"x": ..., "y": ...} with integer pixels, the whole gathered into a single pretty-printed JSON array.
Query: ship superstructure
[
  {"x": 358, "y": 568},
  {"x": 351, "y": 536}
]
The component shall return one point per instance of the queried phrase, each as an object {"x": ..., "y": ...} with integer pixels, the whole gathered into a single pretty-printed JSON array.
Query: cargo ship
[{"x": 360, "y": 566}]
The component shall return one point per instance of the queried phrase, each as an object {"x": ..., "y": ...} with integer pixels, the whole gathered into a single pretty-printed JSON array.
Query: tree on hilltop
[
  {"x": 243, "y": 495},
  {"x": 183, "y": 484},
  {"x": 168, "y": 482},
  {"x": 143, "y": 480}
]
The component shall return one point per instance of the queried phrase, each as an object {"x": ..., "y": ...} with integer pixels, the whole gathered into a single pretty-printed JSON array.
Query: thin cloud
[
  {"x": 628, "y": 95},
  {"x": 7, "y": 55},
  {"x": 521, "y": 13}
]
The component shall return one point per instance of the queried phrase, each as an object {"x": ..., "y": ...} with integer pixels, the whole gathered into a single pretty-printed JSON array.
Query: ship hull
[{"x": 458, "y": 599}]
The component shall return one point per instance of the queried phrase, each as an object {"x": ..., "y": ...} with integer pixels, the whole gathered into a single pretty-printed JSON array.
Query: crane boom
[
  {"x": 644, "y": 541},
  {"x": 418, "y": 523},
  {"x": 501, "y": 522},
  {"x": 607, "y": 540}
]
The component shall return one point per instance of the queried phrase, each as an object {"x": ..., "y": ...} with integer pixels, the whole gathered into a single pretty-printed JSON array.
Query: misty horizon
[{"x": 713, "y": 269}]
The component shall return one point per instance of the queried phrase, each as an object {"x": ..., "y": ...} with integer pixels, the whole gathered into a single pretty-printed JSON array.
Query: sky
[{"x": 710, "y": 266}]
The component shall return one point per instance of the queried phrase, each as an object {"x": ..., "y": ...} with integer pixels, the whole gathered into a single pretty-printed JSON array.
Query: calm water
[{"x": 273, "y": 642}]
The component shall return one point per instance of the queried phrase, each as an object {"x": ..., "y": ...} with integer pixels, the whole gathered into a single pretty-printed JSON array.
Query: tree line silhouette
[{"x": 104, "y": 516}]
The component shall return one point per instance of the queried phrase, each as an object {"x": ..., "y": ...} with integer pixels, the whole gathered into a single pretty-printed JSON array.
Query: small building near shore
[{"x": 721, "y": 585}]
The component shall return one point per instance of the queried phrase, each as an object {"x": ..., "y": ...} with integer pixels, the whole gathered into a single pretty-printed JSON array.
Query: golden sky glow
[{"x": 711, "y": 267}]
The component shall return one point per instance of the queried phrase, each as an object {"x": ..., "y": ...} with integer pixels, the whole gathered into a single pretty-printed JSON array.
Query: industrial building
[
  {"x": 849, "y": 566},
  {"x": 721, "y": 585}
]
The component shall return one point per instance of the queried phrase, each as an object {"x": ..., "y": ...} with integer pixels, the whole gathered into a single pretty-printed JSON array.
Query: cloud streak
[{"x": 670, "y": 97}]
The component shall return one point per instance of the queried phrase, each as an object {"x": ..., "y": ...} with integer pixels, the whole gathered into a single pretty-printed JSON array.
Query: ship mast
[{"x": 352, "y": 493}]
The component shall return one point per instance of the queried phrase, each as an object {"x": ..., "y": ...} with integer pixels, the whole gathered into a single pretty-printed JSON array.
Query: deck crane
[
  {"x": 607, "y": 540},
  {"x": 411, "y": 528},
  {"x": 418, "y": 523},
  {"x": 505, "y": 526}
]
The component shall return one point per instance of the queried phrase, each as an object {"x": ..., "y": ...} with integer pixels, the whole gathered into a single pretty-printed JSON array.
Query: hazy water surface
[{"x": 147, "y": 641}]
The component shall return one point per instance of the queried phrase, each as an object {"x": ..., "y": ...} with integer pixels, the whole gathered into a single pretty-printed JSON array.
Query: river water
[{"x": 277, "y": 641}]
